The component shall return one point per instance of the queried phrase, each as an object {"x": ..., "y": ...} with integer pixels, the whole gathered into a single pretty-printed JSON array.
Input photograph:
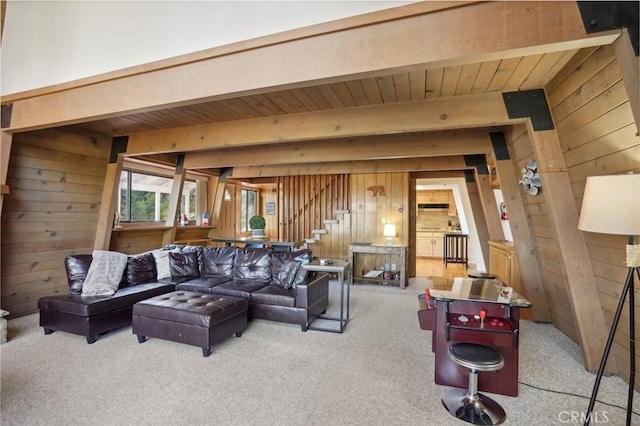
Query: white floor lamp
[{"x": 611, "y": 205}]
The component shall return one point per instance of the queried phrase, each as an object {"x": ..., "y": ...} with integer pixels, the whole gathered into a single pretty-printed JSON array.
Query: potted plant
[{"x": 257, "y": 224}]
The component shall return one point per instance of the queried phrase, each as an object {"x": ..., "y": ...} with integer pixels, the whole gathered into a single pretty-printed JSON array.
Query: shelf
[{"x": 376, "y": 280}]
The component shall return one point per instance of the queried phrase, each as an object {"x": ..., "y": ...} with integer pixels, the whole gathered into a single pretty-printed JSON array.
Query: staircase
[
  {"x": 333, "y": 240},
  {"x": 315, "y": 209}
]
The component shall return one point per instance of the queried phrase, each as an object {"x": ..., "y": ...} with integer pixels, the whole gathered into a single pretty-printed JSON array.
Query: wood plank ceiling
[{"x": 506, "y": 74}]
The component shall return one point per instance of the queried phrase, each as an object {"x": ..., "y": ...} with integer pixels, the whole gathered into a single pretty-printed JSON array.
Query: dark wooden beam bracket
[
  {"x": 598, "y": 16},
  {"x": 531, "y": 104},
  {"x": 500, "y": 147},
  {"x": 5, "y": 113},
  {"x": 118, "y": 146}
]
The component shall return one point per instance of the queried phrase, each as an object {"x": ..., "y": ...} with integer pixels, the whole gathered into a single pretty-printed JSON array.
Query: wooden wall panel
[
  {"x": 543, "y": 236},
  {"x": 56, "y": 180},
  {"x": 367, "y": 211},
  {"x": 133, "y": 242},
  {"x": 597, "y": 134}
]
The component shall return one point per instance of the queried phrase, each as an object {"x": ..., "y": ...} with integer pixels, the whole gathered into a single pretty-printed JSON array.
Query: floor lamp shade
[{"x": 611, "y": 205}]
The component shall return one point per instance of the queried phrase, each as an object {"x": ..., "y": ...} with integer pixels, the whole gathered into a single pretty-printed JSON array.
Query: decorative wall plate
[{"x": 531, "y": 178}]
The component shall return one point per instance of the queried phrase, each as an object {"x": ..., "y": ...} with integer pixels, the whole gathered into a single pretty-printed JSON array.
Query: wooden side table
[{"x": 380, "y": 250}]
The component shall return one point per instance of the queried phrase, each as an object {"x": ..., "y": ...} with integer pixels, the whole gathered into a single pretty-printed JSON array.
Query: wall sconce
[
  {"x": 389, "y": 232},
  {"x": 531, "y": 178},
  {"x": 227, "y": 195}
]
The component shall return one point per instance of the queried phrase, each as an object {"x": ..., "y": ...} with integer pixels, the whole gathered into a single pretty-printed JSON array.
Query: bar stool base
[{"x": 478, "y": 411}]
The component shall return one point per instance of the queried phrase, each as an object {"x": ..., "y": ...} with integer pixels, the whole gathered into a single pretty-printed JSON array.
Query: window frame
[
  {"x": 189, "y": 185},
  {"x": 244, "y": 212}
]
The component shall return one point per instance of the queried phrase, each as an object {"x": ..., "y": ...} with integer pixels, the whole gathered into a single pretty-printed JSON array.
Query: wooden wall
[
  {"x": 56, "y": 179},
  {"x": 598, "y": 136},
  {"x": 369, "y": 207}
]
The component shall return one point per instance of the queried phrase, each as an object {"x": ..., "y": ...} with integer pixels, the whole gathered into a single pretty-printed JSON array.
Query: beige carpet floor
[{"x": 379, "y": 372}]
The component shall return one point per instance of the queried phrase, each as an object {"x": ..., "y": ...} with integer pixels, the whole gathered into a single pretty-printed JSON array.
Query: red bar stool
[{"x": 469, "y": 405}]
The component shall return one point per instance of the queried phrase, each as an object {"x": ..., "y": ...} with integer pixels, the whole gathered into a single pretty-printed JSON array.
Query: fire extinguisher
[{"x": 503, "y": 212}]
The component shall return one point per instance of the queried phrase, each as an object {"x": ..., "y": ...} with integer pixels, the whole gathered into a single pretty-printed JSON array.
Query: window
[
  {"x": 145, "y": 198},
  {"x": 248, "y": 208}
]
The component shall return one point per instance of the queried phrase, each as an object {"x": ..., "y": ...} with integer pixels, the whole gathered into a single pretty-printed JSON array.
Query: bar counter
[{"x": 456, "y": 318}]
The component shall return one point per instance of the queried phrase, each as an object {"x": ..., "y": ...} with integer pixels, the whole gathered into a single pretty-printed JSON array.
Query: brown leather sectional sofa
[{"x": 275, "y": 286}]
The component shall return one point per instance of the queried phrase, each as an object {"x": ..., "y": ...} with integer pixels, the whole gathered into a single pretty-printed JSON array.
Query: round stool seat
[
  {"x": 476, "y": 357},
  {"x": 484, "y": 275},
  {"x": 469, "y": 405}
]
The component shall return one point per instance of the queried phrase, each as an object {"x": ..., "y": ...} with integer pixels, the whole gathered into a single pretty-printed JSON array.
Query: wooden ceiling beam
[
  {"x": 459, "y": 112},
  {"x": 352, "y": 167},
  {"x": 389, "y": 44},
  {"x": 439, "y": 174},
  {"x": 375, "y": 148}
]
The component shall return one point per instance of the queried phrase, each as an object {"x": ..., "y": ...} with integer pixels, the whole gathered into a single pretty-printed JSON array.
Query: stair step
[
  {"x": 342, "y": 211},
  {"x": 310, "y": 241},
  {"x": 330, "y": 221},
  {"x": 319, "y": 231}
]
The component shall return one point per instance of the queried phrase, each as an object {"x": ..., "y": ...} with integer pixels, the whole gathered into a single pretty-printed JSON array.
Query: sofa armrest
[{"x": 313, "y": 288}]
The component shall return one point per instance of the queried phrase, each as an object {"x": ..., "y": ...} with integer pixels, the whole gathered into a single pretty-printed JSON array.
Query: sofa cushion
[
  {"x": 274, "y": 295},
  {"x": 301, "y": 254},
  {"x": 239, "y": 288},
  {"x": 87, "y": 306},
  {"x": 184, "y": 266},
  {"x": 283, "y": 271},
  {"x": 254, "y": 264},
  {"x": 203, "y": 284},
  {"x": 190, "y": 249},
  {"x": 77, "y": 266},
  {"x": 217, "y": 261},
  {"x": 105, "y": 273},
  {"x": 141, "y": 268}
]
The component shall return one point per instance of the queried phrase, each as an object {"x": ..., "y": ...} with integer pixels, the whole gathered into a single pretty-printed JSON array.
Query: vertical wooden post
[
  {"x": 531, "y": 278},
  {"x": 5, "y": 151},
  {"x": 581, "y": 286},
  {"x": 217, "y": 195},
  {"x": 629, "y": 62},
  {"x": 479, "y": 216},
  {"x": 179, "y": 175},
  {"x": 108, "y": 204}
]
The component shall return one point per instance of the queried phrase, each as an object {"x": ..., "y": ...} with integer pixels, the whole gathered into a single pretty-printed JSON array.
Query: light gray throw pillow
[{"x": 105, "y": 273}]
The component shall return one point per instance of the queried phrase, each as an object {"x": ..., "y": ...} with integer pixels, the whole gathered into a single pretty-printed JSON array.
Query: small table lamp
[
  {"x": 611, "y": 205},
  {"x": 389, "y": 232}
]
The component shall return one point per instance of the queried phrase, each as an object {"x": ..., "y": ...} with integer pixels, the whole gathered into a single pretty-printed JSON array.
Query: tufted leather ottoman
[{"x": 193, "y": 318}]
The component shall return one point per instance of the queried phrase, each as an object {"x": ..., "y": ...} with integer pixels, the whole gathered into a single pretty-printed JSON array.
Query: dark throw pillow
[
  {"x": 302, "y": 273},
  {"x": 141, "y": 268}
]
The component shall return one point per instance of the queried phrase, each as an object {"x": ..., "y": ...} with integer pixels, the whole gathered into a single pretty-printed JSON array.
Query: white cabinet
[
  {"x": 438, "y": 244},
  {"x": 423, "y": 244},
  {"x": 431, "y": 197},
  {"x": 429, "y": 244}
]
